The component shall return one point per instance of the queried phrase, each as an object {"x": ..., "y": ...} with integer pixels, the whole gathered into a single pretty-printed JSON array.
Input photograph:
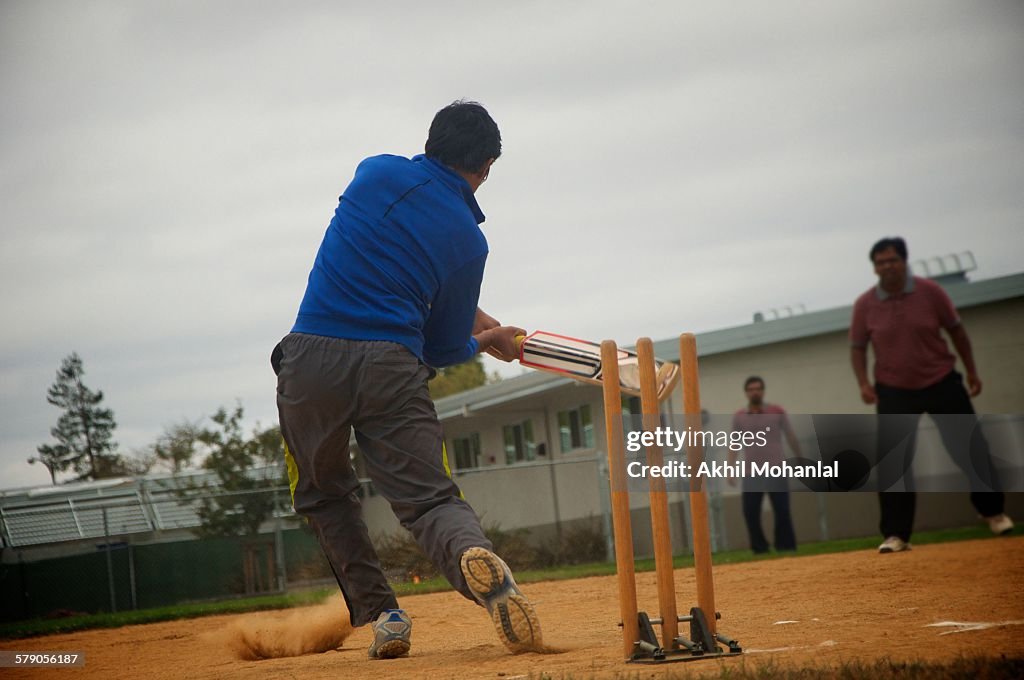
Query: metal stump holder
[{"x": 702, "y": 643}]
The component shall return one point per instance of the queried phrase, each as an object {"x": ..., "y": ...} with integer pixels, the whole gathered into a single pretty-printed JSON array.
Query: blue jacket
[{"x": 402, "y": 260}]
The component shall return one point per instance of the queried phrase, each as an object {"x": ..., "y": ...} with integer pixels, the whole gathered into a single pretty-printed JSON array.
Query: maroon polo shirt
[{"x": 905, "y": 332}]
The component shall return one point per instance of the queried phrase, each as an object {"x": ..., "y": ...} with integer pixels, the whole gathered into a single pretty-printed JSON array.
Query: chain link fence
[{"x": 134, "y": 548}]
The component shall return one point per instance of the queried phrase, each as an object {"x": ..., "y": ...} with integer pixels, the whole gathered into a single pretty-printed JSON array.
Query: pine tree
[{"x": 84, "y": 430}]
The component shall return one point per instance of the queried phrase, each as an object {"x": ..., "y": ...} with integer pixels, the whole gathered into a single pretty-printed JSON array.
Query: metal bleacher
[{"x": 89, "y": 510}]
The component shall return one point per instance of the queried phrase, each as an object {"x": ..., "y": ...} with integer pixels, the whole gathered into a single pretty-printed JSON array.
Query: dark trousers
[
  {"x": 328, "y": 388},
  {"x": 896, "y": 444},
  {"x": 785, "y": 537}
]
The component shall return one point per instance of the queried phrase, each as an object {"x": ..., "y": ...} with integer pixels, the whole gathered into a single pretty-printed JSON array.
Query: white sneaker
[
  {"x": 1001, "y": 525},
  {"x": 392, "y": 633},
  {"x": 893, "y": 544},
  {"x": 491, "y": 582}
]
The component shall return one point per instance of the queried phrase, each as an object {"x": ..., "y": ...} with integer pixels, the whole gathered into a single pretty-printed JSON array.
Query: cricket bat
[{"x": 581, "y": 360}]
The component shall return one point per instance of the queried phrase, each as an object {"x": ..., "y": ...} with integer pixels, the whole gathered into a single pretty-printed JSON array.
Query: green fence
[{"x": 124, "y": 576}]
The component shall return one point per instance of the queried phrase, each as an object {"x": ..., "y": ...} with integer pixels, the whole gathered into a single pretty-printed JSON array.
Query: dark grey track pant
[{"x": 327, "y": 387}]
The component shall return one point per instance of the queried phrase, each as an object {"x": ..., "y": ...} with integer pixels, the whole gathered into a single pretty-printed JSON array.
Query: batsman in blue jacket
[{"x": 393, "y": 295}]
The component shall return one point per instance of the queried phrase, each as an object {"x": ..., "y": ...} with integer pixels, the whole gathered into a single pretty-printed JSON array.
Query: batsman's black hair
[
  {"x": 894, "y": 242},
  {"x": 753, "y": 379},
  {"x": 463, "y": 136}
]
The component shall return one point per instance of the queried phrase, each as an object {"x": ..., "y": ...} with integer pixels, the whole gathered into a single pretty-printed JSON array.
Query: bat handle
[{"x": 520, "y": 339}]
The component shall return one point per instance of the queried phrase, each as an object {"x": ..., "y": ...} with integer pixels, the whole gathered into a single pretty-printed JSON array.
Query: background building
[{"x": 528, "y": 452}]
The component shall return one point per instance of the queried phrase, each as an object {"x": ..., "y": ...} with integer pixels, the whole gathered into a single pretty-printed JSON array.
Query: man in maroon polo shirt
[{"x": 902, "y": 318}]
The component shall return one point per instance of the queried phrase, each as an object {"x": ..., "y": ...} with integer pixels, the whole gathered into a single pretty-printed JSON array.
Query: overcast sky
[{"x": 167, "y": 170}]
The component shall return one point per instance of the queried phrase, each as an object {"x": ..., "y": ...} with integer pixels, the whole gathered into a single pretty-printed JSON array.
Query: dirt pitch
[{"x": 800, "y": 611}]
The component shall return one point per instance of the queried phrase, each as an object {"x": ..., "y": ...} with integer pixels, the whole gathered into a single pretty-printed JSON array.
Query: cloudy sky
[{"x": 167, "y": 170}]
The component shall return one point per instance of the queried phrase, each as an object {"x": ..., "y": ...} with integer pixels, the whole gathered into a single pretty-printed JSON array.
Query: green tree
[
  {"x": 177, "y": 446},
  {"x": 84, "y": 431},
  {"x": 461, "y": 377},
  {"x": 248, "y": 471}
]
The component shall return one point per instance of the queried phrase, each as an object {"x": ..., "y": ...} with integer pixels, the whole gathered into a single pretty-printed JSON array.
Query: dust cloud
[{"x": 272, "y": 635}]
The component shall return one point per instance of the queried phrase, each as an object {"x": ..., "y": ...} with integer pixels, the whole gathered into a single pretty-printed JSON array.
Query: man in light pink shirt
[
  {"x": 771, "y": 419},
  {"x": 902, "y": 318}
]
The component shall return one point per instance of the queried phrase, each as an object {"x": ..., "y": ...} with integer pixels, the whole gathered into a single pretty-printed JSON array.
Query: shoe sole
[
  {"x": 392, "y": 649},
  {"x": 514, "y": 618}
]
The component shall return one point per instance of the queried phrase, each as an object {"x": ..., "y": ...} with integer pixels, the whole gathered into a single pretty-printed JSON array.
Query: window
[
  {"x": 467, "y": 451},
  {"x": 576, "y": 428},
  {"x": 518, "y": 442}
]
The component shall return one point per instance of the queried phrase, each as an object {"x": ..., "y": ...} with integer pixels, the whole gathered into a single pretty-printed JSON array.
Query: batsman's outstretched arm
[
  {"x": 447, "y": 332},
  {"x": 500, "y": 342},
  {"x": 484, "y": 321}
]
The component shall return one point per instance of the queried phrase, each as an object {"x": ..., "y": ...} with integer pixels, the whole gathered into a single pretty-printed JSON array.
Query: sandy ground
[{"x": 796, "y": 611}]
